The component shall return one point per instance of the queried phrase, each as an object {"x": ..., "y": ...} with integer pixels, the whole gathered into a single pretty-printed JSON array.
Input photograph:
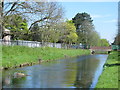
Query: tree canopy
[
  {"x": 85, "y": 29},
  {"x": 80, "y": 18},
  {"x": 17, "y": 25},
  {"x": 23, "y": 16},
  {"x": 104, "y": 42},
  {"x": 117, "y": 39},
  {"x": 68, "y": 32}
]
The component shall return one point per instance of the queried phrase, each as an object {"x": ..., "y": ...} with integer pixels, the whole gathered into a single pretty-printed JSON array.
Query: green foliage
[
  {"x": 109, "y": 77},
  {"x": 35, "y": 34},
  {"x": 79, "y": 18},
  {"x": 85, "y": 29},
  {"x": 72, "y": 36},
  {"x": 70, "y": 22},
  {"x": 69, "y": 32},
  {"x": 54, "y": 35},
  {"x": 104, "y": 42},
  {"x": 16, "y": 55},
  {"x": 117, "y": 39},
  {"x": 17, "y": 25}
]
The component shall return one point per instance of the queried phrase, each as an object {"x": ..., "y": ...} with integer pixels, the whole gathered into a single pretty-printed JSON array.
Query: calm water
[{"x": 78, "y": 72}]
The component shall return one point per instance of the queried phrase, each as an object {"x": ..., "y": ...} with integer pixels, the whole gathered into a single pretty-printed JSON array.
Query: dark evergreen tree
[
  {"x": 83, "y": 24},
  {"x": 35, "y": 32},
  {"x": 117, "y": 40},
  {"x": 80, "y": 18}
]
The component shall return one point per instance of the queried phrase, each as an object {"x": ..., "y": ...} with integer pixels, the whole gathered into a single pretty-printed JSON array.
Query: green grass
[
  {"x": 109, "y": 77},
  {"x": 101, "y": 52},
  {"x": 15, "y": 55}
]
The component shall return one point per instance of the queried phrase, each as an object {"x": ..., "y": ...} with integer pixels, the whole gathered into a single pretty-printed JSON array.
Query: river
[{"x": 77, "y": 72}]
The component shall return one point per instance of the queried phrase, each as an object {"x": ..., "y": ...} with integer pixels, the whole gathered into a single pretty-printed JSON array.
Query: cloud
[
  {"x": 99, "y": 16},
  {"x": 111, "y": 21},
  {"x": 96, "y": 16}
]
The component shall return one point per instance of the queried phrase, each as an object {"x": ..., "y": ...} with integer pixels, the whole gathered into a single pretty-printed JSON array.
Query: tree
[
  {"x": 35, "y": 33},
  {"x": 44, "y": 14},
  {"x": 85, "y": 29},
  {"x": 72, "y": 36},
  {"x": 68, "y": 33},
  {"x": 83, "y": 25},
  {"x": 117, "y": 39},
  {"x": 17, "y": 25},
  {"x": 1, "y": 19},
  {"x": 55, "y": 33},
  {"x": 80, "y": 18},
  {"x": 104, "y": 42}
]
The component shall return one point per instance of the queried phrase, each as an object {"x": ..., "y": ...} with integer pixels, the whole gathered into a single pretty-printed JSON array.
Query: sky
[{"x": 104, "y": 16}]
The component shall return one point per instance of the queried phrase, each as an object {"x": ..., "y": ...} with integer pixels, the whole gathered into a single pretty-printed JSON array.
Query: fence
[
  {"x": 29, "y": 43},
  {"x": 40, "y": 44}
]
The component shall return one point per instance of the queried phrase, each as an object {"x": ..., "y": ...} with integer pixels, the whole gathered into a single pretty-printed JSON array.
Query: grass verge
[
  {"x": 101, "y": 52},
  {"x": 109, "y": 77},
  {"x": 14, "y": 56}
]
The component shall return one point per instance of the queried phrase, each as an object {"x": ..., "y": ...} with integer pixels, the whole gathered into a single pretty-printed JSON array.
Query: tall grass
[{"x": 15, "y": 55}]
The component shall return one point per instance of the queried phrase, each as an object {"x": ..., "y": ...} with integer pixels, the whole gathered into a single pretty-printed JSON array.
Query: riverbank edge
[
  {"x": 39, "y": 60},
  {"x": 109, "y": 77},
  {"x": 34, "y": 63}
]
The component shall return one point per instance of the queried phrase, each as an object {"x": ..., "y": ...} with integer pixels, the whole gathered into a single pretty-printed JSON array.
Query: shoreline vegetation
[
  {"x": 19, "y": 56},
  {"x": 109, "y": 77}
]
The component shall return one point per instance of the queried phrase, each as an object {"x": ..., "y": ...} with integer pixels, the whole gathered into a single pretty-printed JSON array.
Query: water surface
[{"x": 77, "y": 72}]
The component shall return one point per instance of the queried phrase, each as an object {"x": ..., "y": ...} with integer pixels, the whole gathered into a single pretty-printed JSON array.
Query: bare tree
[
  {"x": 45, "y": 14},
  {"x": 49, "y": 13},
  {"x": 39, "y": 11}
]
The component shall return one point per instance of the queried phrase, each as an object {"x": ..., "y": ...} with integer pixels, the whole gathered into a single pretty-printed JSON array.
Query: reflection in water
[
  {"x": 9, "y": 80},
  {"x": 79, "y": 72},
  {"x": 85, "y": 71}
]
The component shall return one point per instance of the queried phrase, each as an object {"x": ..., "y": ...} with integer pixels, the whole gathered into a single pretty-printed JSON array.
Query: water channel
[{"x": 77, "y": 72}]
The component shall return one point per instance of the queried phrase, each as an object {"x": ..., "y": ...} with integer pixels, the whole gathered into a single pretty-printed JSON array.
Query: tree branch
[
  {"x": 38, "y": 21},
  {"x": 14, "y": 4}
]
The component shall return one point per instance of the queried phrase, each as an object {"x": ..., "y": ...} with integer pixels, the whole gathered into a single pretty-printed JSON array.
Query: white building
[{"x": 6, "y": 38}]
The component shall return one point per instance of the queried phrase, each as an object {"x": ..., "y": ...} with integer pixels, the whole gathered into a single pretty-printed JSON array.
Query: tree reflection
[{"x": 85, "y": 72}]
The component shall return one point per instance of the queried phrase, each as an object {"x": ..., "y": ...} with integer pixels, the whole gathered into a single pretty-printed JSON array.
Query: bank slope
[
  {"x": 109, "y": 77},
  {"x": 17, "y": 56}
]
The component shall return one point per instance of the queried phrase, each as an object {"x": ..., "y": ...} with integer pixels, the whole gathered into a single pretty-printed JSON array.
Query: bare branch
[
  {"x": 38, "y": 21},
  {"x": 11, "y": 9}
]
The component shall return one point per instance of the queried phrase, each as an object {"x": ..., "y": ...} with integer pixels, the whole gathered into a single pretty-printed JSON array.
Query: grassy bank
[
  {"x": 101, "y": 52},
  {"x": 14, "y": 56},
  {"x": 109, "y": 77}
]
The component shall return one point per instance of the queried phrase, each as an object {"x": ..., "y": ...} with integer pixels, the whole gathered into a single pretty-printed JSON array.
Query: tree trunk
[
  {"x": 1, "y": 18},
  {"x": 53, "y": 44}
]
